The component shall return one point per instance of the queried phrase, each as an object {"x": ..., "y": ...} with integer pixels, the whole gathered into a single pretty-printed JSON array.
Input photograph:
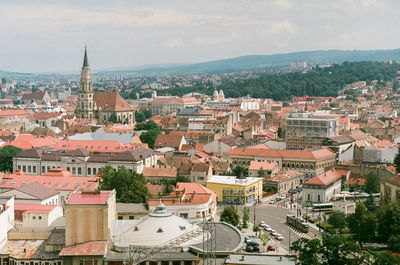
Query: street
[{"x": 275, "y": 216}]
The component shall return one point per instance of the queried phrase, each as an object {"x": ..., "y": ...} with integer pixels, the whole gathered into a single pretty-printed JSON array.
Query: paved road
[{"x": 275, "y": 216}]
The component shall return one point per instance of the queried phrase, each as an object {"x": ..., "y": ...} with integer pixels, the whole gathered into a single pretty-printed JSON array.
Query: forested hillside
[{"x": 320, "y": 82}]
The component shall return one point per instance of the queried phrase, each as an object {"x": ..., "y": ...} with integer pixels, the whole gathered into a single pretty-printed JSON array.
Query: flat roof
[
  {"x": 233, "y": 180},
  {"x": 260, "y": 259}
]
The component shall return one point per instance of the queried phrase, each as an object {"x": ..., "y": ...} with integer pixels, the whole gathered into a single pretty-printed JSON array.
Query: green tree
[
  {"x": 140, "y": 116},
  {"x": 182, "y": 179},
  {"x": 396, "y": 161},
  {"x": 338, "y": 220},
  {"x": 307, "y": 250},
  {"x": 150, "y": 137},
  {"x": 246, "y": 217},
  {"x": 332, "y": 250},
  {"x": 370, "y": 203},
  {"x": 372, "y": 183},
  {"x": 168, "y": 187},
  {"x": 394, "y": 242},
  {"x": 240, "y": 172},
  {"x": 280, "y": 132},
  {"x": 113, "y": 118},
  {"x": 362, "y": 224},
  {"x": 261, "y": 173},
  {"x": 129, "y": 186},
  {"x": 385, "y": 258},
  {"x": 389, "y": 220},
  {"x": 230, "y": 215},
  {"x": 7, "y": 154}
]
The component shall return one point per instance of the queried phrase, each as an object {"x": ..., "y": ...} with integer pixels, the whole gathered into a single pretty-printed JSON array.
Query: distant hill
[
  {"x": 276, "y": 60},
  {"x": 247, "y": 62}
]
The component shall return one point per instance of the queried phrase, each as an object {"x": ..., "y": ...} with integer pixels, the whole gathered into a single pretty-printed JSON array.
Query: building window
[
  {"x": 120, "y": 217},
  {"x": 319, "y": 198},
  {"x": 34, "y": 169},
  {"x": 79, "y": 171},
  {"x": 89, "y": 171},
  {"x": 29, "y": 169},
  {"x": 69, "y": 169},
  {"x": 131, "y": 217},
  {"x": 40, "y": 218},
  {"x": 308, "y": 197},
  {"x": 95, "y": 262},
  {"x": 24, "y": 168},
  {"x": 94, "y": 171},
  {"x": 80, "y": 262},
  {"x": 43, "y": 169},
  {"x": 73, "y": 170}
]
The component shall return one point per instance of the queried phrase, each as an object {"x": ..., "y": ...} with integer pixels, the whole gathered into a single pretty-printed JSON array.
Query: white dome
[
  {"x": 157, "y": 228},
  {"x": 221, "y": 93},
  {"x": 215, "y": 93}
]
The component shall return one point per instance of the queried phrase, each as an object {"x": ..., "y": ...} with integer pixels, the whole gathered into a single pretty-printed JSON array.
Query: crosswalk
[{"x": 301, "y": 234}]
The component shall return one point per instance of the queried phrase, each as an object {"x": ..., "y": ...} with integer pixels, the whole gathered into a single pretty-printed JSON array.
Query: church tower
[{"x": 86, "y": 106}]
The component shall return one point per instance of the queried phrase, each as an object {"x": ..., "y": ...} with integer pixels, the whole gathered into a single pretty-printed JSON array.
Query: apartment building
[
  {"x": 169, "y": 105},
  {"x": 81, "y": 163},
  {"x": 309, "y": 162},
  {"x": 303, "y": 131}
]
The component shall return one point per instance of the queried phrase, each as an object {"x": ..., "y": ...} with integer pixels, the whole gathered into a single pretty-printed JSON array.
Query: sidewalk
[{"x": 280, "y": 249}]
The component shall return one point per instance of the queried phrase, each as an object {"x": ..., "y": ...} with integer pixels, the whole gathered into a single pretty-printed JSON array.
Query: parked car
[
  {"x": 262, "y": 223},
  {"x": 271, "y": 248},
  {"x": 273, "y": 232},
  {"x": 288, "y": 195},
  {"x": 246, "y": 239},
  {"x": 279, "y": 237},
  {"x": 272, "y": 201},
  {"x": 253, "y": 243},
  {"x": 278, "y": 199},
  {"x": 266, "y": 227}
]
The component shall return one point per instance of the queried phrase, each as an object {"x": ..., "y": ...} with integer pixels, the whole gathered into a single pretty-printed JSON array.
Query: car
[
  {"x": 279, "y": 237},
  {"x": 278, "y": 199},
  {"x": 288, "y": 195},
  {"x": 272, "y": 201},
  {"x": 273, "y": 232},
  {"x": 253, "y": 244},
  {"x": 249, "y": 248},
  {"x": 266, "y": 227},
  {"x": 271, "y": 248},
  {"x": 246, "y": 239},
  {"x": 262, "y": 223}
]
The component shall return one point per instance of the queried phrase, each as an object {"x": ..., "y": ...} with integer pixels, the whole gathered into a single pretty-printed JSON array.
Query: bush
[{"x": 394, "y": 243}]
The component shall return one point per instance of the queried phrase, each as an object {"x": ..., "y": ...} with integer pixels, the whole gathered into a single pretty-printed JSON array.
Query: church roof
[
  {"x": 85, "y": 59},
  {"x": 111, "y": 101}
]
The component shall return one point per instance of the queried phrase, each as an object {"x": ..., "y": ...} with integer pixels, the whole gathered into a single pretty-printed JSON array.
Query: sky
[{"x": 49, "y": 36}]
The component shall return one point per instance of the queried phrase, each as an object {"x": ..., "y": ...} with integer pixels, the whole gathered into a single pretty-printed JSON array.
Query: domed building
[{"x": 160, "y": 225}]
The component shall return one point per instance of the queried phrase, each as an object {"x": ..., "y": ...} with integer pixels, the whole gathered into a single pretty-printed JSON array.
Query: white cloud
[{"x": 174, "y": 43}]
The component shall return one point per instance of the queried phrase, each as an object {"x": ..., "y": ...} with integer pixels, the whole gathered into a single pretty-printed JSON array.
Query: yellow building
[{"x": 232, "y": 190}]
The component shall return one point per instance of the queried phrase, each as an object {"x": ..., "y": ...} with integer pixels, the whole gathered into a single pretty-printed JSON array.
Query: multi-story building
[
  {"x": 390, "y": 189},
  {"x": 169, "y": 105},
  {"x": 303, "y": 131},
  {"x": 232, "y": 190},
  {"x": 191, "y": 201},
  {"x": 322, "y": 188},
  {"x": 309, "y": 162},
  {"x": 79, "y": 162}
]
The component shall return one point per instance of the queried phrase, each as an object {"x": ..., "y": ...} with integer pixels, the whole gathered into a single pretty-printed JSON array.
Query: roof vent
[{"x": 160, "y": 230}]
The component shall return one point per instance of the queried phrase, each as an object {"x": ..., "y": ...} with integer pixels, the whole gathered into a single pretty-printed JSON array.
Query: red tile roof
[
  {"x": 56, "y": 181},
  {"x": 325, "y": 178},
  {"x": 285, "y": 154},
  {"x": 255, "y": 165},
  {"x": 111, "y": 101},
  {"x": 89, "y": 198},
  {"x": 34, "y": 208},
  {"x": 170, "y": 140},
  {"x": 92, "y": 248}
]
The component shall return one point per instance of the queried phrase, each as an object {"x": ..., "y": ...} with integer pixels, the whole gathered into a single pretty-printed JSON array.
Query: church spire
[{"x": 85, "y": 59}]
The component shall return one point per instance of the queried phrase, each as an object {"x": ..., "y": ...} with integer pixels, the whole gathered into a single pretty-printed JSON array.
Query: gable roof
[
  {"x": 37, "y": 190},
  {"x": 325, "y": 178},
  {"x": 262, "y": 165},
  {"x": 111, "y": 101},
  {"x": 35, "y": 95},
  {"x": 90, "y": 198},
  {"x": 169, "y": 140}
]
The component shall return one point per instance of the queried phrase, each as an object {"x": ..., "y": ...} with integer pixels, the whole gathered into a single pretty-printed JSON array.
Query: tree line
[{"x": 318, "y": 82}]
